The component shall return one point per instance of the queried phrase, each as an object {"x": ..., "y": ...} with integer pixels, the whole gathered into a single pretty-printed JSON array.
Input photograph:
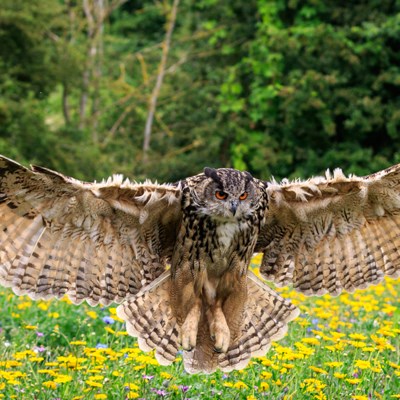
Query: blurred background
[{"x": 160, "y": 89}]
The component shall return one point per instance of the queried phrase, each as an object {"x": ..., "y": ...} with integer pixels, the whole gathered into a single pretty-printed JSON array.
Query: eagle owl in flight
[{"x": 113, "y": 242}]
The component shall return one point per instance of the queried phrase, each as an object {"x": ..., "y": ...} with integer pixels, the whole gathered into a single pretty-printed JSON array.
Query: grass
[{"x": 339, "y": 348}]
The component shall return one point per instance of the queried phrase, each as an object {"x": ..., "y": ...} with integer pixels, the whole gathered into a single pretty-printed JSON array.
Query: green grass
[{"x": 340, "y": 348}]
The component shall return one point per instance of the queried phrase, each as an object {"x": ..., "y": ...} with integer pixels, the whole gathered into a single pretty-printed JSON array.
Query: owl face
[{"x": 226, "y": 194}]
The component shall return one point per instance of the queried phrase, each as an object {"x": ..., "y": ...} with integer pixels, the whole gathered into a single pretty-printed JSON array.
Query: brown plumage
[{"x": 112, "y": 242}]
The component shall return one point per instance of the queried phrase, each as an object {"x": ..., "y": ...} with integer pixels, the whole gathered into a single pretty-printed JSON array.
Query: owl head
[{"x": 225, "y": 194}]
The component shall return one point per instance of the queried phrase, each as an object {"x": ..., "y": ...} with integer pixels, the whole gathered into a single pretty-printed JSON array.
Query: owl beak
[{"x": 234, "y": 206}]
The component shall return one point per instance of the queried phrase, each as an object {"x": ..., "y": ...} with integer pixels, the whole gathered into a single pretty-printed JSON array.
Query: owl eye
[
  {"x": 220, "y": 195},
  {"x": 243, "y": 196}
]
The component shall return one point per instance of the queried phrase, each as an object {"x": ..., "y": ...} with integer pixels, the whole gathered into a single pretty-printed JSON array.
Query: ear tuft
[{"x": 212, "y": 173}]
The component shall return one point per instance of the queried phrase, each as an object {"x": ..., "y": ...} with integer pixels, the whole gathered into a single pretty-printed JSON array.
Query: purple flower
[
  {"x": 184, "y": 388},
  {"x": 39, "y": 349},
  {"x": 40, "y": 334},
  {"x": 148, "y": 377},
  {"x": 108, "y": 320},
  {"x": 159, "y": 392},
  {"x": 101, "y": 346}
]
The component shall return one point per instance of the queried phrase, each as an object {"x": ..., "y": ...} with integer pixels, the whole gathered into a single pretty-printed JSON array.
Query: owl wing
[
  {"x": 331, "y": 234},
  {"x": 96, "y": 241}
]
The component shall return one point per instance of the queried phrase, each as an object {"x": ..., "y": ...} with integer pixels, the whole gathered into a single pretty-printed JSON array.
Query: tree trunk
[{"x": 160, "y": 76}]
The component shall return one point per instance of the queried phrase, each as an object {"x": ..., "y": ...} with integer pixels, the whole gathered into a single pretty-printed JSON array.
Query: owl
[{"x": 176, "y": 256}]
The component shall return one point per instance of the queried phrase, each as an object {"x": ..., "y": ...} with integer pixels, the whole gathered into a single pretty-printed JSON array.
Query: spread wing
[
  {"x": 96, "y": 241},
  {"x": 332, "y": 234}
]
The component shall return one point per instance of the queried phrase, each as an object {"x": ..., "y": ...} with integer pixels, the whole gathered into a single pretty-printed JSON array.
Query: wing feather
[
  {"x": 99, "y": 242},
  {"x": 331, "y": 234}
]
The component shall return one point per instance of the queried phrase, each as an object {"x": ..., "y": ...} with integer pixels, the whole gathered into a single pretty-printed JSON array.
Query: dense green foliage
[{"x": 283, "y": 88}]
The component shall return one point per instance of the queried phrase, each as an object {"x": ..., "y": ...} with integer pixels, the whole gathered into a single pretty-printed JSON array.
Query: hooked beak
[{"x": 234, "y": 206}]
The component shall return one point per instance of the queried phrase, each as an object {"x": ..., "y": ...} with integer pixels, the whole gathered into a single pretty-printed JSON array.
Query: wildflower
[
  {"x": 131, "y": 386},
  {"x": 339, "y": 375},
  {"x": 360, "y": 398},
  {"x": 31, "y": 327},
  {"x": 318, "y": 370},
  {"x": 101, "y": 346},
  {"x": 166, "y": 375},
  {"x": 266, "y": 375},
  {"x": 148, "y": 377},
  {"x": 363, "y": 364},
  {"x": 334, "y": 364},
  {"x": 132, "y": 395},
  {"x": 160, "y": 392},
  {"x": 100, "y": 396},
  {"x": 78, "y": 342},
  {"x": 311, "y": 341},
  {"x": 184, "y": 388},
  {"x": 264, "y": 386},
  {"x": 353, "y": 381},
  {"x": 92, "y": 314},
  {"x": 357, "y": 336},
  {"x": 108, "y": 320},
  {"x": 93, "y": 383},
  {"x": 50, "y": 384},
  {"x": 240, "y": 385}
]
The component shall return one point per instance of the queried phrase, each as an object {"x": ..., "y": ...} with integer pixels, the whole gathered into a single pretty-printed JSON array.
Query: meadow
[{"x": 339, "y": 348}]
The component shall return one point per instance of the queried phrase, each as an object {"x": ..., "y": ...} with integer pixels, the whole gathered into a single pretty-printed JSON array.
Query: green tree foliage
[
  {"x": 319, "y": 88},
  {"x": 283, "y": 88}
]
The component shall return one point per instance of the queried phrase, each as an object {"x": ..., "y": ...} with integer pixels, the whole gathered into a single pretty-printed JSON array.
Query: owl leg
[
  {"x": 190, "y": 326},
  {"x": 219, "y": 330}
]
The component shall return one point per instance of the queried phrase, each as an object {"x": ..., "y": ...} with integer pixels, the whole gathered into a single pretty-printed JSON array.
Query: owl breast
[{"x": 225, "y": 234}]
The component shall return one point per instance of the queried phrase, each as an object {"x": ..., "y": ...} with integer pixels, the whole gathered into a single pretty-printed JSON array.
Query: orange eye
[
  {"x": 243, "y": 196},
  {"x": 220, "y": 195}
]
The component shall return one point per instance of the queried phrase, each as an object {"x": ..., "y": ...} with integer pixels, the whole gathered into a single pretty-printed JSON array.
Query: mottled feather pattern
[
  {"x": 61, "y": 236},
  {"x": 328, "y": 234},
  {"x": 112, "y": 241}
]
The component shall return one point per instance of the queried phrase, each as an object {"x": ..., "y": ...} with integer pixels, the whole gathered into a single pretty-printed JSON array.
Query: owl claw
[
  {"x": 189, "y": 328},
  {"x": 219, "y": 331}
]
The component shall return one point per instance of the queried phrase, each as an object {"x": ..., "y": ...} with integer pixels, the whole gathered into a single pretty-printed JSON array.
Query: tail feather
[
  {"x": 149, "y": 317},
  {"x": 265, "y": 319}
]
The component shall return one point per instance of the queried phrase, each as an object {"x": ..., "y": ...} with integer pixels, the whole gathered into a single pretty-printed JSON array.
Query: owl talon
[
  {"x": 190, "y": 326},
  {"x": 219, "y": 331}
]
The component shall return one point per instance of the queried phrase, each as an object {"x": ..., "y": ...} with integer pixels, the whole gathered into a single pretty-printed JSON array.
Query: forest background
[{"x": 160, "y": 89}]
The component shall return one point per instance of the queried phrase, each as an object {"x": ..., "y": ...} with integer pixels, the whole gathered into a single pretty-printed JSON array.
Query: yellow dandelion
[
  {"x": 334, "y": 364},
  {"x": 93, "y": 383},
  {"x": 131, "y": 386},
  {"x": 359, "y": 398},
  {"x": 166, "y": 375},
  {"x": 362, "y": 364},
  {"x": 311, "y": 341},
  {"x": 240, "y": 385},
  {"x": 92, "y": 314},
  {"x": 264, "y": 386},
  {"x": 78, "y": 343},
  {"x": 132, "y": 395},
  {"x": 50, "y": 384},
  {"x": 318, "y": 370},
  {"x": 357, "y": 336},
  {"x": 100, "y": 396},
  {"x": 353, "y": 381},
  {"x": 31, "y": 327},
  {"x": 339, "y": 375}
]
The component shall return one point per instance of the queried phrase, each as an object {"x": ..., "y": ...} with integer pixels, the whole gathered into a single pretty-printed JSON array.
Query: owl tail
[
  {"x": 265, "y": 317},
  {"x": 148, "y": 317}
]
